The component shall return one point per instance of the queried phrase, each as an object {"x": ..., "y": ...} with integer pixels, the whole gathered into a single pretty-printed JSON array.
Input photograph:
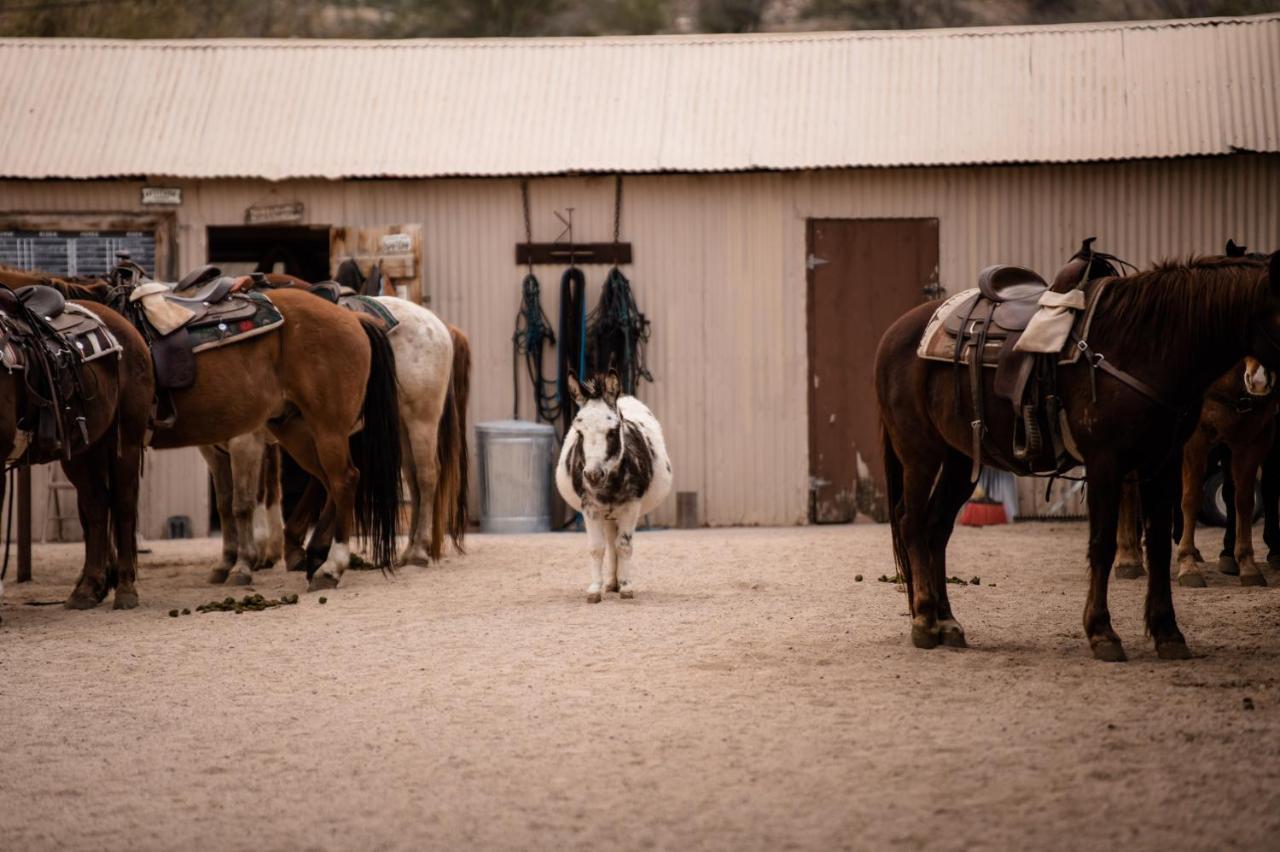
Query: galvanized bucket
[{"x": 516, "y": 463}]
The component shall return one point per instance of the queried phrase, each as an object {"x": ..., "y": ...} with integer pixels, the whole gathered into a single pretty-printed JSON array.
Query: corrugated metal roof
[{"x": 425, "y": 108}]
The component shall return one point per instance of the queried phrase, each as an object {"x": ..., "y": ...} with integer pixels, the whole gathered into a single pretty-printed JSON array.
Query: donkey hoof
[
  {"x": 925, "y": 638},
  {"x": 241, "y": 578},
  {"x": 80, "y": 600},
  {"x": 1253, "y": 579},
  {"x": 218, "y": 576},
  {"x": 1109, "y": 651},
  {"x": 1192, "y": 580},
  {"x": 1227, "y": 565},
  {"x": 1173, "y": 650},
  {"x": 627, "y": 594},
  {"x": 125, "y": 599},
  {"x": 612, "y": 587},
  {"x": 321, "y": 581},
  {"x": 1129, "y": 571},
  {"x": 593, "y": 597}
]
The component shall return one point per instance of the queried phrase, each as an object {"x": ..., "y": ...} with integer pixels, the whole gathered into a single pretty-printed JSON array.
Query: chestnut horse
[
  {"x": 323, "y": 375},
  {"x": 1173, "y": 330},
  {"x": 117, "y": 407}
]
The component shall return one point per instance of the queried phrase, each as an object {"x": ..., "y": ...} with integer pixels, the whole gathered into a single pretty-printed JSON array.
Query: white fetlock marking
[
  {"x": 339, "y": 559},
  {"x": 261, "y": 527}
]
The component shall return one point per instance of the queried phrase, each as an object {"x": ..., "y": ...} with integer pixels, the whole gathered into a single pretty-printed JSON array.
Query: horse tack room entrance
[{"x": 862, "y": 275}]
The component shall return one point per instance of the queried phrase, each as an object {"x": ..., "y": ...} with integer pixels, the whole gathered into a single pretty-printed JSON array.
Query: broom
[{"x": 982, "y": 511}]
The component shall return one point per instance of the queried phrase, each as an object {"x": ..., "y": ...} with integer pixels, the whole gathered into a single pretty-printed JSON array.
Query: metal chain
[
  {"x": 528, "y": 223},
  {"x": 617, "y": 208}
]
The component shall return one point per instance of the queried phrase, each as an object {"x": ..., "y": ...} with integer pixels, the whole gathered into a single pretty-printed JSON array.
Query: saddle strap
[{"x": 1098, "y": 361}]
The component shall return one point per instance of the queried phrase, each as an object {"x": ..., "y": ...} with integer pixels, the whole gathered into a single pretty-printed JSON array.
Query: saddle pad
[
  {"x": 370, "y": 306},
  {"x": 936, "y": 344},
  {"x": 82, "y": 329},
  {"x": 240, "y": 317}
]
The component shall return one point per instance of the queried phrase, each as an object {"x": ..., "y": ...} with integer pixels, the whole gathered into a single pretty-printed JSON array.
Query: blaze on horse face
[
  {"x": 600, "y": 425},
  {"x": 1258, "y": 380}
]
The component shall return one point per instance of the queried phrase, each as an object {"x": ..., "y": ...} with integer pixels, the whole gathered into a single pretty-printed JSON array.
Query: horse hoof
[
  {"x": 265, "y": 565},
  {"x": 297, "y": 562},
  {"x": 953, "y": 637},
  {"x": 1173, "y": 650},
  {"x": 125, "y": 600},
  {"x": 218, "y": 576},
  {"x": 612, "y": 587},
  {"x": 593, "y": 597},
  {"x": 241, "y": 579},
  {"x": 1130, "y": 571},
  {"x": 1109, "y": 651},
  {"x": 80, "y": 600},
  {"x": 1273, "y": 559},
  {"x": 1253, "y": 580},
  {"x": 627, "y": 594},
  {"x": 1227, "y": 565},
  {"x": 924, "y": 637},
  {"x": 321, "y": 581},
  {"x": 1192, "y": 580}
]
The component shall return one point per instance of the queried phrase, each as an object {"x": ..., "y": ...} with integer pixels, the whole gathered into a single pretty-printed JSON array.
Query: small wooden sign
[
  {"x": 161, "y": 196},
  {"x": 273, "y": 214},
  {"x": 397, "y": 243}
]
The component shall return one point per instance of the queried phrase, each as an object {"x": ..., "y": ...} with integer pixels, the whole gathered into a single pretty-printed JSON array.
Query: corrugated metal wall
[{"x": 719, "y": 268}]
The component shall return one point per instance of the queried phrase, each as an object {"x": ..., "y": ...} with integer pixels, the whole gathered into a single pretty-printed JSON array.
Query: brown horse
[
  {"x": 106, "y": 461},
  {"x": 312, "y": 383},
  {"x": 1171, "y": 330}
]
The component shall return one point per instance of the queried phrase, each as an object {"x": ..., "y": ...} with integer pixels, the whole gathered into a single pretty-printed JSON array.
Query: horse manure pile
[{"x": 249, "y": 603}]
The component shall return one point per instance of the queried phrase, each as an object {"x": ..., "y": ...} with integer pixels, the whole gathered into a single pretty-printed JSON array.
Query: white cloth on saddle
[
  {"x": 1050, "y": 326},
  {"x": 165, "y": 316},
  {"x": 939, "y": 317}
]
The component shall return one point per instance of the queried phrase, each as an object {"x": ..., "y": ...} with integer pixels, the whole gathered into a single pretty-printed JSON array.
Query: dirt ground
[{"x": 752, "y": 696}]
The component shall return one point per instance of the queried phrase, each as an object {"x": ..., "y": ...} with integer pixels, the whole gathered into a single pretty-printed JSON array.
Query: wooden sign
[
  {"x": 161, "y": 196},
  {"x": 273, "y": 214}
]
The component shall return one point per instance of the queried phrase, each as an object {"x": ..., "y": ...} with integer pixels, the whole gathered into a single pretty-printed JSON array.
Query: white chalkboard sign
[{"x": 76, "y": 252}]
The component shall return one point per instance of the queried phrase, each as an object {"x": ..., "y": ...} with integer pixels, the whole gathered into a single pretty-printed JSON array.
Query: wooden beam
[
  {"x": 580, "y": 254},
  {"x": 24, "y": 523}
]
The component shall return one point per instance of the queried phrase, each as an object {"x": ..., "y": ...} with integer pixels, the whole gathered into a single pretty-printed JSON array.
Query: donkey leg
[
  {"x": 952, "y": 490},
  {"x": 246, "y": 473},
  {"x": 624, "y": 532},
  {"x": 1244, "y": 463},
  {"x": 1128, "y": 534},
  {"x": 220, "y": 469},
  {"x": 610, "y": 556},
  {"x": 88, "y": 472},
  {"x": 1104, "y": 511},
  {"x": 1157, "y": 499},
  {"x": 595, "y": 547},
  {"x": 1195, "y": 456}
]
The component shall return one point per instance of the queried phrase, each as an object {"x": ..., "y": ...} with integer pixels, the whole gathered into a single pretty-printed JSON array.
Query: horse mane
[
  {"x": 1186, "y": 301},
  {"x": 84, "y": 287}
]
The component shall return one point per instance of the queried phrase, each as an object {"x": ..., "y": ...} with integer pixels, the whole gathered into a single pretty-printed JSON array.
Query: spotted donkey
[{"x": 613, "y": 468}]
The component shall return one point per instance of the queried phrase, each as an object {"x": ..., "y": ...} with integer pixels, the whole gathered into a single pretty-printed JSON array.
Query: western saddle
[{"x": 985, "y": 328}]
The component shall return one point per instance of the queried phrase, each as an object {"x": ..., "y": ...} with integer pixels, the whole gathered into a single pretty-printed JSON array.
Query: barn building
[{"x": 784, "y": 196}]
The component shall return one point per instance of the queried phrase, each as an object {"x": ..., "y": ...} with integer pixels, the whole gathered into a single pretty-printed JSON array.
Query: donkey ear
[
  {"x": 612, "y": 387},
  {"x": 575, "y": 390}
]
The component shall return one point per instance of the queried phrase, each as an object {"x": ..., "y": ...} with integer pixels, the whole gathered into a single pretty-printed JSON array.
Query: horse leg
[
  {"x": 1129, "y": 533},
  {"x": 88, "y": 472},
  {"x": 1271, "y": 502},
  {"x": 304, "y": 515},
  {"x": 1104, "y": 511},
  {"x": 426, "y": 535},
  {"x": 623, "y": 531},
  {"x": 950, "y": 493},
  {"x": 246, "y": 473},
  {"x": 271, "y": 547},
  {"x": 918, "y": 477},
  {"x": 126, "y": 470},
  {"x": 1195, "y": 457},
  {"x": 220, "y": 469},
  {"x": 595, "y": 547},
  {"x": 413, "y": 554},
  {"x": 1244, "y": 462},
  {"x": 340, "y": 479},
  {"x": 1157, "y": 499},
  {"x": 1226, "y": 559}
]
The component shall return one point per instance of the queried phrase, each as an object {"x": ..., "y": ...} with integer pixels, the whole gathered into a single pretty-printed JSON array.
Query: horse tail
[
  {"x": 894, "y": 490},
  {"x": 449, "y": 505},
  {"x": 377, "y": 454}
]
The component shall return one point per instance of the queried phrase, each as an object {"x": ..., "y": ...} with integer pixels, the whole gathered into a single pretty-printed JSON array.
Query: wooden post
[{"x": 24, "y": 523}]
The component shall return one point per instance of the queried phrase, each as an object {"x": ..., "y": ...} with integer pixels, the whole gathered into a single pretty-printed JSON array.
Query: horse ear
[
  {"x": 612, "y": 387},
  {"x": 1234, "y": 250},
  {"x": 575, "y": 390}
]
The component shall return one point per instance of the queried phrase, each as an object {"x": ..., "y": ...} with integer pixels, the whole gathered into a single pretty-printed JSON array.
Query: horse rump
[
  {"x": 449, "y": 504},
  {"x": 377, "y": 452}
]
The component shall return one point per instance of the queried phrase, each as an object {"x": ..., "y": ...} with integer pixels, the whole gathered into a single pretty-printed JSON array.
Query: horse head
[{"x": 600, "y": 425}]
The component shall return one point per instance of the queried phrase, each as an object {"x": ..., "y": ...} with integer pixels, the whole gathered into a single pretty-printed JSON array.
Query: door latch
[{"x": 813, "y": 262}]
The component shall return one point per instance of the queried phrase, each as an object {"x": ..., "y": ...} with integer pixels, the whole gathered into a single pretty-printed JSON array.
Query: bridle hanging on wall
[
  {"x": 616, "y": 329},
  {"x": 532, "y": 333}
]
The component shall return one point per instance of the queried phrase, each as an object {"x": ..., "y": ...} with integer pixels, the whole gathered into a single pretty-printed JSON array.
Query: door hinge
[{"x": 813, "y": 262}]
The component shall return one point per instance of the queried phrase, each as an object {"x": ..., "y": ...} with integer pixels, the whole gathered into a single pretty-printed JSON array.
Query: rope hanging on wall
[
  {"x": 532, "y": 333},
  {"x": 616, "y": 329}
]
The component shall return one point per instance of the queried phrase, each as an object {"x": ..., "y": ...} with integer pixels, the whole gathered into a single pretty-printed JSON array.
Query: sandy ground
[{"x": 753, "y": 696}]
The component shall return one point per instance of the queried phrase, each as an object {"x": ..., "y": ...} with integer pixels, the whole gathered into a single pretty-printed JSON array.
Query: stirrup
[{"x": 164, "y": 415}]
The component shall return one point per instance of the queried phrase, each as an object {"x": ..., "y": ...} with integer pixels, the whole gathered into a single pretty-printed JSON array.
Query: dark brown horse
[
  {"x": 105, "y": 461},
  {"x": 1172, "y": 330}
]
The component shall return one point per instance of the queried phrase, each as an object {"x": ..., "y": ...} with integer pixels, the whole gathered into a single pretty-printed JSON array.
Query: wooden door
[
  {"x": 397, "y": 249},
  {"x": 863, "y": 275}
]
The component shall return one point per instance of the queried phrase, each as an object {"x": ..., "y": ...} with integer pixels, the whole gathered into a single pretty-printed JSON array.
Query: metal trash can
[{"x": 516, "y": 462}]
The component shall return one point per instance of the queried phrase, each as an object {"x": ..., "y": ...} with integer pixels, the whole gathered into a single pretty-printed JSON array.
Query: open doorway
[{"x": 301, "y": 250}]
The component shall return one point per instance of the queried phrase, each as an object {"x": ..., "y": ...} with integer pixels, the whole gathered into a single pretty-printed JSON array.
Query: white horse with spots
[{"x": 613, "y": 469}]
